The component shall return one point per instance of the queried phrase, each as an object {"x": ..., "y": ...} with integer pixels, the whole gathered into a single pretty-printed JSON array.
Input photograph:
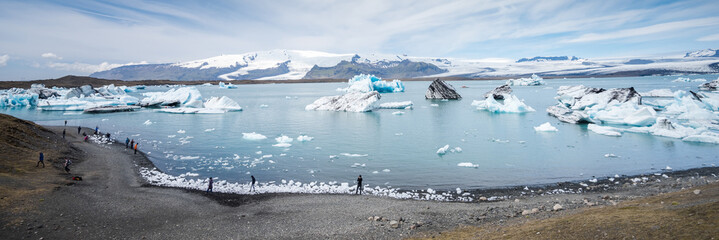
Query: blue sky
[{"x": 48, "y": 39}]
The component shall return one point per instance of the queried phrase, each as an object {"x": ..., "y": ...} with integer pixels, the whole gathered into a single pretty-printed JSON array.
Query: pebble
[
  {"x": 394, "y": 224},
  {"x": 697, "y": 192},
  {"x": 482, "y": 198},
  {"x": 557, "y": 207}
]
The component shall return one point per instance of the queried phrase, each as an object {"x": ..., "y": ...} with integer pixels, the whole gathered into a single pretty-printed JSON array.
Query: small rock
[
  {"x": 557, "y": 207},
  {"x": 516, "y": 200},
  {"x": 482, "y": 198},
  {"x": 535, "y": 210},
  {"x": 697, "y": 192},
  {"x": 526, "y": 212},
  {"x": 394, "y": 224}
]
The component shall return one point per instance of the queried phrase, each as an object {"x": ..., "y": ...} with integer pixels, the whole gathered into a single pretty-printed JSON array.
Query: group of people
[
  {"x": 65, "y": 165},
  {"x": 131, "y": 144}
]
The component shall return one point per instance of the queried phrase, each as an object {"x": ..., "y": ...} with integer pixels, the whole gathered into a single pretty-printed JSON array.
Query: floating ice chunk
[
  {"x": 253, "y": 136},
  {"x": 209, "y": 130},
  {"x": 667, "y": 168},
  {"x": 375, "y": 172},
  {"x": 593, "y": 180},
  {"x": 350, "y": 102},
  {"x": 610, "y": 155},
  {"x": 181, "y": 131},
  {"x": 385, "y": 170},
  {"x": 434, "y": 105},
  {"x": 533, "y": 81},
  {"x": 704, "y": 137},
  {"x": 304, "y": 138},
  {"x": 189, "y": 157},
  {"x": 396, "y": 105},
  {"x": 353, "y": 155},
  {"x": 684, "y": 79},
  {"x": 546, "y": 127},
  {"x": 334, "y": 156},
  {"x": 511, "y": 104},
  {"x": 710, "y": 86},
  {"x": 398, "y": 113},
  {"x": 499, "y": 92},
  {"x": 207, "y": 84},
  {"x": 626, "y": 113},
  {"x": 148, "y": 122},
  {"x": 369, "y": 83},
  {"x": 264, "y": 106},
  {"x": 223, "y": 103},
  {"x": 284, "y": 139},
  {"x": 443, "y": 150},
  {"x": 185, "y": 96},
  {"x": 467, "y": 164},
  {"x": 186, "y": 110},
  {"x": 228, "y": 85},
  {"x": 458, "y": 149},
  {"x": 603, "y": 130}
]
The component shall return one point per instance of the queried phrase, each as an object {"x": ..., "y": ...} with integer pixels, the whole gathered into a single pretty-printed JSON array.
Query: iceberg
[
  {"x": 533, "y": 81},
  {"x": 546, "y": 127},
  {"x": 253, "y": 136},
  {"x": 222, "y": 103},
  {"x": 608, "y": 131},
  {"x": 304, "y": 138},
  {"x": 511, "y": 104},
  {"x": 185, "y": 96},
  {"x": 578, "y": 104},
  {"x": 228, "y": 85},
  {"x": 284, "y": 139},
  {"x": 16, "y": 97},
  {"x": 350, "y": 102},
  {"x": 498, "y": 93},
  {"x": 662, "y": 93},
  {"x": 396, "y": 105},
  {"x": 443, "y": 150},
  {"x": 710, "y": 86},
  {"x": 467, "y": 164},
  {"x": 368, "y": 83},
  {"x": 439, "y": 89},
  {"x": 190, "y": 110}
]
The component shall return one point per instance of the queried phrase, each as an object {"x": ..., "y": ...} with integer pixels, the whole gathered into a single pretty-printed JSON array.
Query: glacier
[
  {"x": 511, "y": 104},
  {"x": 368, "y": 83},
  {"x": 532, "y": 81}
]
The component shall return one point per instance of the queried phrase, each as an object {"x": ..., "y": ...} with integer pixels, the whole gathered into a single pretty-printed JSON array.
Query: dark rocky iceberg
[
  {"x": 441, "y": 90},
  {"x": 498, "y": 93},
  {"x": 710, "y": 86}
]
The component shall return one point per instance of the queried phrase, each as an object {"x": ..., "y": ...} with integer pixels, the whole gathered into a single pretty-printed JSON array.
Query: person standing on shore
[
  {"x": 136, "y": 148},
  {"x": 96, "y": 129},
  {"x": 132, "y": 143},
  {"x": 127, "y": 142},
  {"x": 42, "y": 160},
  {"x": 78, "y": 130},
  {"x": 359, "y": 185},
  {"x": 63, "y": 134},
  {"x": 65, "y": 123},
  {"x": 209, "y": 187},
  {"x": 252, "y": 187},
  {"x": 67, "y": 165}
]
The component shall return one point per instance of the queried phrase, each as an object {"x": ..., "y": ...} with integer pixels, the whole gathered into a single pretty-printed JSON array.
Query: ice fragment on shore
[{"x": 667, "y": 168}]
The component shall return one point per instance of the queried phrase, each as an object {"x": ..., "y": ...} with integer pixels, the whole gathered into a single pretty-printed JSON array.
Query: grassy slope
[
  {"x": 677, "y": 215},
  {"x": 20, "y": 144}
]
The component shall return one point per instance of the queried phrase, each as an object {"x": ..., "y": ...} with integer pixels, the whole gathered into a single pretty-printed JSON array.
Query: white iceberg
[
  {"x": 467, "y": 164},
  {"x": 184, "y": 96},
  {"x": 282, "y": 145},
  {"x": 396, "y": 105},
  {"x": 511, "y": 104},
  {"x": 188, "y": 110},
  {"x": 368, "y": 83},
  {"x": 228, "y": 85},
  {"x": 304, "y": 138},
  {"x": 350, "y": 102},
  {"x": 545, "y": 127},
  {"x": 284, "y": 139},
  {"x": 223, "y": 103},
  {"x": 533, "y": 81},
  {"x": 603, "y": 130},
  {"x": 253, "y": 136},
  {"x": 443, "y": 150}
]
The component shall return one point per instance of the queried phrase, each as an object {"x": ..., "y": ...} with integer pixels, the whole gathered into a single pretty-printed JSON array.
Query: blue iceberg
[{"x": 368, "y": 83}]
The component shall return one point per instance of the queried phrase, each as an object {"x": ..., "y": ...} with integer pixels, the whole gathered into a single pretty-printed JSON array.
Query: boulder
[
  {"x": 498, "y": 93},
  {"x": 441, "y": 90}
]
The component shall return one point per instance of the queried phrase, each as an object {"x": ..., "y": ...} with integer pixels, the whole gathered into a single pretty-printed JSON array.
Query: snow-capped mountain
[
  {"x": 703, "y": 53},
  {"x": 296, "y": 64}
]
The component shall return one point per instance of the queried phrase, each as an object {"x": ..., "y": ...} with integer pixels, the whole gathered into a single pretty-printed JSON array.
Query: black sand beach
[{"x": 113, "y": 201}]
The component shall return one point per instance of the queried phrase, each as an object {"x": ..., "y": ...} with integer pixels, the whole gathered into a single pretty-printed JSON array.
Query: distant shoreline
[{"x": 76, "y": 81}]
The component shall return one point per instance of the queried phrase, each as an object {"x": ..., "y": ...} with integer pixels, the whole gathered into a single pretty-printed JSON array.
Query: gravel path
[{"x": 112, "y": 201}]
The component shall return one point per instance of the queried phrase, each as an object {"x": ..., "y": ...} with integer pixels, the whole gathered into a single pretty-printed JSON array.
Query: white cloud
[
  {"x": 51, "y": 55},
  {"x": 4, "y": 59},
  {"x": 88, "y": 68},
  {"x": 653, "y": 29},
  {"x": 713, "y": 37}
]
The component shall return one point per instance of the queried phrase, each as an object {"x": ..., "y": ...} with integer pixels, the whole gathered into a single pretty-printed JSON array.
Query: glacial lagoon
[{"x": 392, "y": 148}]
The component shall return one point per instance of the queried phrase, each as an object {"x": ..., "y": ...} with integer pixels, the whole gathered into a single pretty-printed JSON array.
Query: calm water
[{"x": 400, "y": 149}]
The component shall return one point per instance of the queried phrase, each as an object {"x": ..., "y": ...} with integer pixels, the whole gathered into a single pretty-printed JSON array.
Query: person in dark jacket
[
  {"x": 359, "y": 185},
  {"x": 209, "y": 187},
  {"x": 252, "y": 187},
  {"x": 42, "y": 160}
]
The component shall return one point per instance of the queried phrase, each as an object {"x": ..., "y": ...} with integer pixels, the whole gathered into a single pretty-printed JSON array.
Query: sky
[{"x": 50, "y": 39}]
